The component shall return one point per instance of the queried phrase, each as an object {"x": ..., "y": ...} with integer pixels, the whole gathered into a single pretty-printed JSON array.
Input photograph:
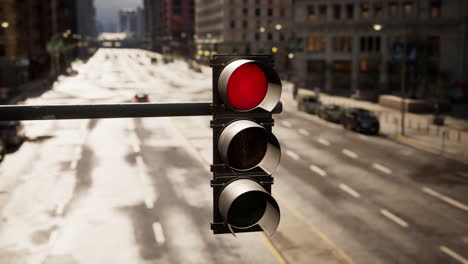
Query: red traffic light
[
  {"x": 247, "y": 87},
  {"x": 244, "y": 85}
]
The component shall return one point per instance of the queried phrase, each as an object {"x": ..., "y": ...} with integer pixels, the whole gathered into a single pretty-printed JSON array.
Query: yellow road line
[
  {"x": 272, "y": 248},
  {"x": 404, "y": 138},
  {"x": 315, "y": 230}
]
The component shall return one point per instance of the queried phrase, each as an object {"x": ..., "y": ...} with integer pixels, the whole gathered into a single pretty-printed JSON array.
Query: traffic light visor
[
  {"x": 244, "y": 145},
  {"x": 244, "y": 203},
  {"x": 245, "y": 85}
]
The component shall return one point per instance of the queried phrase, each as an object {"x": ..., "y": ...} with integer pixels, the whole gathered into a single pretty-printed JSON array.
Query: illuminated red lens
[{"x": 247, "y": 86}]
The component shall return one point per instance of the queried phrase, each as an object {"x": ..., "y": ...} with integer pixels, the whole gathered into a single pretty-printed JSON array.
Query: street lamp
[
  {"x": 5, "y": 24},
  {"x": 278, "y": 27},
  {"x": 377, "y": 27},
  {"x": 262, "y": 29}
]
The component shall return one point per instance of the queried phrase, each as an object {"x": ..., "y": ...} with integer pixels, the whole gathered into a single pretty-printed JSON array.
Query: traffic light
[{"x": 246, "y": 90}]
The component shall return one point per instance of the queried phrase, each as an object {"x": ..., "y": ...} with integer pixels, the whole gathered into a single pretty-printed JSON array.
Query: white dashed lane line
[
  {"x": 381, "y": 168},
  {"x": 349, "y": 190},
  {"x": 293, "y": 155},
  {"x": 158, "y": 233},
  {"x": 350, "y": 154},
  {"x": 304, "y": 132},
  {"x": 446, "y": 199},
  {"x": 454, "y": 255},
  {"x": 318, "y": 170},
  {"x": 394, "y": 218},
  {"x": 323, "y": 141}
]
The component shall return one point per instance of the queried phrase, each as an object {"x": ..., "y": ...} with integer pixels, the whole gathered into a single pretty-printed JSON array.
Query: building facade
[
  {"x": 131, "y": 21},
  {"x": 245, "y": 26},
  {"x": 177, "y": 26},
  {"x": 153, "y": 36},
  {"x": 358, "y": 45}
]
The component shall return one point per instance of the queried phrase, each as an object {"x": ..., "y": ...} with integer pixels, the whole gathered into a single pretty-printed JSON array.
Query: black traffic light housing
[{"x": 225, "y": 176}]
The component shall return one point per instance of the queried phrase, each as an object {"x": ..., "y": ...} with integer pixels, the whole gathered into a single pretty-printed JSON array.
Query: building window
[
  {"x": 350, "y": 11},
  {"x": 364, "y": 10},
  {"x": 270, "y": 36},
  {"x": 370, "y": 44},
  {"x": 408, "y": 9},
  {"x": 311, "y": 13},
  {"x": 436, "y": 8},
  {"x": 282, "y": 38},
  {"x": 342, "y": 44},
  {"x": 245, "y": 11},
  {"x": 257, "y": 24},
  {"x": 282, "y": 12},
  {"x": 435, "y": 45},
  {"x": 245, "y": 24},
  {"x": 257, "y": 36},
  {"x": 369, "y": 65},
  {"x": 270, "y": 11},
  {"x": 393, "y": 9},
  {"x": 233, "y": 24},
  {"x": 317, "y": 44},
  {"x": 337, "y": 12},
  {"x": 257, "y": 12},
  {"x": 378, "y": 10},
  {"x": 342, "y": 66},
  {"x": 270, "y": 2},
  {"x": 315, "y": 66},
  {"x": 232, "y": 12},
  {"x": 323, "y": 11},
  {"x": 244, "y": 36}
]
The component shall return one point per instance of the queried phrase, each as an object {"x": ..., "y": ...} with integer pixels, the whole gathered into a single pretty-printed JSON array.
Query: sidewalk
[
  {"x": 450, "y": 141},
  {"x": 31, "y": 89}
]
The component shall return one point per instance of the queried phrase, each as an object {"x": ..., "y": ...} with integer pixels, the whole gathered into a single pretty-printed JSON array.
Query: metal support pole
[
  {"x": 53, "y": 112},
  {"x": 403, "y": 87}
]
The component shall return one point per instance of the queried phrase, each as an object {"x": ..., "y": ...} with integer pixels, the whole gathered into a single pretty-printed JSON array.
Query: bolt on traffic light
[{"x": 246, "y": 89}]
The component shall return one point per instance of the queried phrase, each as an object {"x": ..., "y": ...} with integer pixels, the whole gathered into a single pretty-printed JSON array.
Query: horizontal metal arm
[{"x": 52, "y": 112}]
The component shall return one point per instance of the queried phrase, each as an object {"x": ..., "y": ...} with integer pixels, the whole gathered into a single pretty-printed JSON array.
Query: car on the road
[
  {"x": 309, "y": 104},
  {"x": 12, "y": 133},
  {"x": 332, "y": 113},
  {"x": 361, "y": 120},
  {"x": 141, "y": 98}
]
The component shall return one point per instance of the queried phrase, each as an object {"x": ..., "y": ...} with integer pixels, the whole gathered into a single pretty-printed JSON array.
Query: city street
[{"x": 138, "y": 190}]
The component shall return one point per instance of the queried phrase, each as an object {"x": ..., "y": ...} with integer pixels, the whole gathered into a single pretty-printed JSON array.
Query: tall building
[
  {"x": 245, "y": 26},
  {"x": 131, "y": 21},
  {"x": 177, "y": 26},
  {"x": 26, "y": 28},
  {"x": 358, "y": 46},
  {"x": 86, "y": 17},
  {"x": 152, "y": 10}
]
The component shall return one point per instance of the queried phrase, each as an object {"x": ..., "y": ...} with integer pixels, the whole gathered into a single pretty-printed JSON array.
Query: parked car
[
  {"x": 12, "y": 133},
  {"x": 309, "y": 104},
  {"x": 361, "y": 120},
  {"x": 141, "y": 98},
  {"x": 332, "y": 113},
  {"x": 2, "y": 150}
]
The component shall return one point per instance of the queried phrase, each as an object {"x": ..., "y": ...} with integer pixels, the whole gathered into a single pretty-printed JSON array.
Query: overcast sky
[{"x": 107, "y": 9}]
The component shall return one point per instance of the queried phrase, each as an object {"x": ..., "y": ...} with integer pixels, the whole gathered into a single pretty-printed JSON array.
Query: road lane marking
[
  {"x": 148, "y": 194},
  {"x": 304, "y": 132},
  {"x": 349, "y": 153},
  {"x": 323, "y": 141},
  {"x": 445, "y": 199},
  {"x": 381, "y": 168},
  {"x": 292, "y": 155},
  {"x": 272, "y": 248},
  {"x": 394, "y": 218},
  {"x": 286, "y": 124},
  {"x": 158, "y": 233},
  {"x": 349, "y": 190},
  {"x": 454, "y": 255},
  {"x": 315, "y": 229},
  {"x": 318, "y": 170}
]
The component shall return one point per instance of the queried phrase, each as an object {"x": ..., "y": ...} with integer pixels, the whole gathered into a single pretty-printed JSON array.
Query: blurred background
[{"x": 374, "y": 131}]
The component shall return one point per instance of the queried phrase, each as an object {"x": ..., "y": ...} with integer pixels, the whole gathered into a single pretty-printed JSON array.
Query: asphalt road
[{"x": 137, "y": 190}]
